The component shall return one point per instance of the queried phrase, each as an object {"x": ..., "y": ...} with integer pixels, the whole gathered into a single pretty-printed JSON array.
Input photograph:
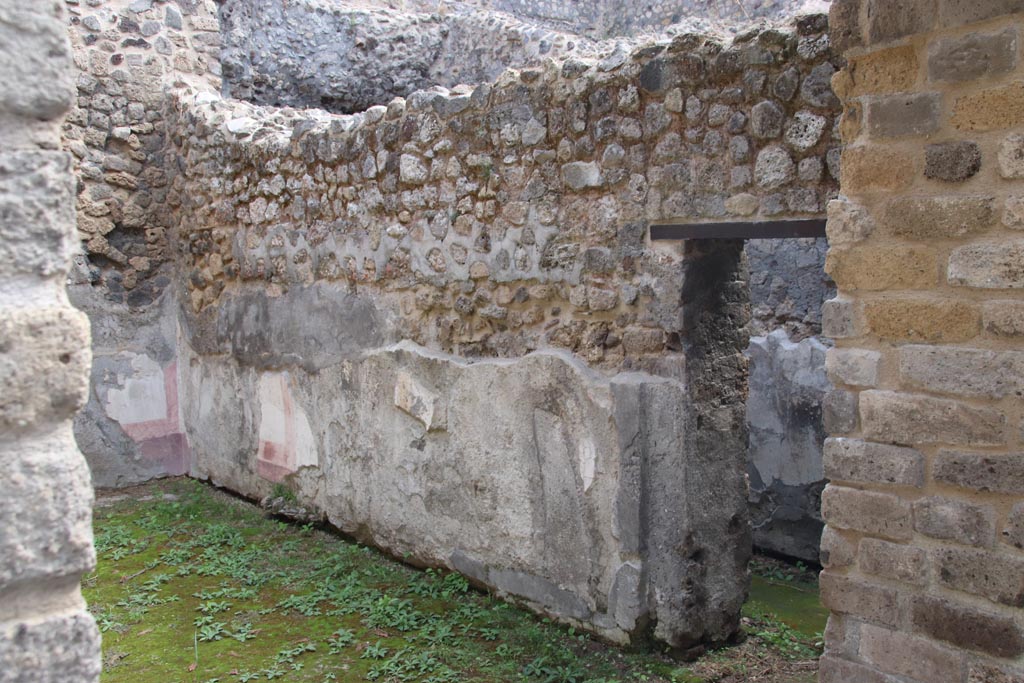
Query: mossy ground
[{"x": 196, "y": 586}]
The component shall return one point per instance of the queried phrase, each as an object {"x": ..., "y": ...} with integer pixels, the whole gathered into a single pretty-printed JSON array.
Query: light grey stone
[
  {"x": 774, "y": 168},
  {"x": 988, "y": 265},
  {"x": 580, "y": 175}
]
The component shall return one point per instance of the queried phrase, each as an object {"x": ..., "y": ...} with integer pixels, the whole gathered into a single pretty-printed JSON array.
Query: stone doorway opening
[{"x": 788, "y": 400}]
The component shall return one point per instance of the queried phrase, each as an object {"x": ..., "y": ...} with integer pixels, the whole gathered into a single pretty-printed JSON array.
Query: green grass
[{"x": 205, "y": 588}]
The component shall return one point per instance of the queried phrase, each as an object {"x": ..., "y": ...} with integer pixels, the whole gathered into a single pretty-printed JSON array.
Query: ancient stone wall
[
  {"x": 923, "y": 544},
  {"x": 458, "y": 287},
  {"x": 46, "y": 634},
  {"x": 600, "y": 19},
  {"x": 127, "y": 53}
]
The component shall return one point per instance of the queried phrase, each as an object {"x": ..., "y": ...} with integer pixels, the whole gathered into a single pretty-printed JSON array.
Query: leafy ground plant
[{"x": 196, "y": 586}]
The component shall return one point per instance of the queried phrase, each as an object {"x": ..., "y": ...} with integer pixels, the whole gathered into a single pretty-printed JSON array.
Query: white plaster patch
[
  {"x": 143, "y": 395},
  {"x": 286, "y": 439},
  {"x": 413, "y": 398},
  {"x": 588, "y": 463}
]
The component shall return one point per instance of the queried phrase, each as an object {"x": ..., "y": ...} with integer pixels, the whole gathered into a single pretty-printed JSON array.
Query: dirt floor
[{"x": 197, "y": 586}]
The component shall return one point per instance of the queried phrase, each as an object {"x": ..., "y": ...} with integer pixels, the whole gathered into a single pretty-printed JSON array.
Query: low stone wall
[
  {"x": 46, "y": 633},
  {"x": 923, "y": 545}
]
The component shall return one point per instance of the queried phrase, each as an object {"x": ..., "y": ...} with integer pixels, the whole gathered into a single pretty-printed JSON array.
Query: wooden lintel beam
[{"x": 739, "y": 230}]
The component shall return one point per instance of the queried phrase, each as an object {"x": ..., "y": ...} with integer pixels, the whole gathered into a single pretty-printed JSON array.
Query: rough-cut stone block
[
  {"x": 995, "y": 576},
  {"x": 44, "y": 365},
  {"x": 774, "y": 168},
  {"x": 1004, "y": 318},
  {"x": 1011, "y": 156},
  {"x": 992, "y": 109},
  {"x": 910, "y": 656},
  {"x": 839, "y": 411},
  {"x": 36, "y": 66},
  {"x": 875, "y": 167},
  {"x": 955, "y": 520},
  {"x": 1013, "y": 532},
  {"x": 930, "y": 217},
  {"x": 580, "y": 175},
  {"x": 954, "y": 13},
  {"x": 996, "y": 472},
  {"x": 952, "y": 162},
  {"x": 56, "y": 649},
  {"x": 835, "y": 670},
  {"x": 839, "y": 319},
  {"x": 863, "y": 600},
  {"x": 856, "y": 367},
  {"x": 880, "y": 514},
  {"x": 988, "y": 265},
  {"x": 967, "y": 627},
  {"x": 890, "y": 20},
  {"x": 836, "y": 550},
  {"x": 927, "y": 320},
  {"x": 45, "y": 509},
  {"x": 411, "y": 170},
  {"x": 911, "y": 419},
  {"x": 883, "y": 72},
  {"x": 845, "y": 31},
  {"x": 986, "y": 672},
  {"x": 766, "y": 119},
  {"x": 863, "y": 461},
  {"x": 964, "y": 372},
  {"x": 904, "y": 115},
  {"x": 893, "y": 561},
  {"x": 37, "y": 216},
  {"x": 973, "y": 56},
  {"x": 848, "y": 223},
  {"x": 1013, "y": 213},
  {"x": 884, "y": 267}
]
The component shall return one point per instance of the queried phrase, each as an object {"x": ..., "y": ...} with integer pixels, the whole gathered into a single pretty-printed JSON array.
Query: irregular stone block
[
  {"x": 37, "y": 215},
  {"x": 580, "y": 175},
  {"x": 966, "y": 626},
  {"x": 857, "y": 367},
  {"x": 1004, "y": 318},
  {"x": 36, "y": 68},
  {"x": 910, "y": 419},
  {"x": 955, "y": 520},
  {"x": 922, "y": 320},
  {"x": 44, "y": 362},
  {"x": 55, "y": 649},
  {"x": 883, "y": 72},
  {"x": 973, "y": 56},
  {"x": 908, "y": 655},
  {"x": 928, "y": 217},
  {"x": 45, "y": 509},
  {"x": 994, "y": 265},
  {"x": 774, "y": 168},
  {"x": 1011, "y": 156},
  {"x": 893, "y": 561},
  {"x": 879, "y": 514},
  {"x": 1013, "y": 533},
  {"x": 904, "y": 115},
  {"x": 873, "y": 167},
  {"x": 995, "y": 472},
  {"x": 952, "y": 162},
  {"x": 863, "y": 461},
  {"x": 859, "y": 599},
  {"x": 963, "y": 372},
  {"x": 992, "y": 109},
  {"x": 871, "y": 268}
]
